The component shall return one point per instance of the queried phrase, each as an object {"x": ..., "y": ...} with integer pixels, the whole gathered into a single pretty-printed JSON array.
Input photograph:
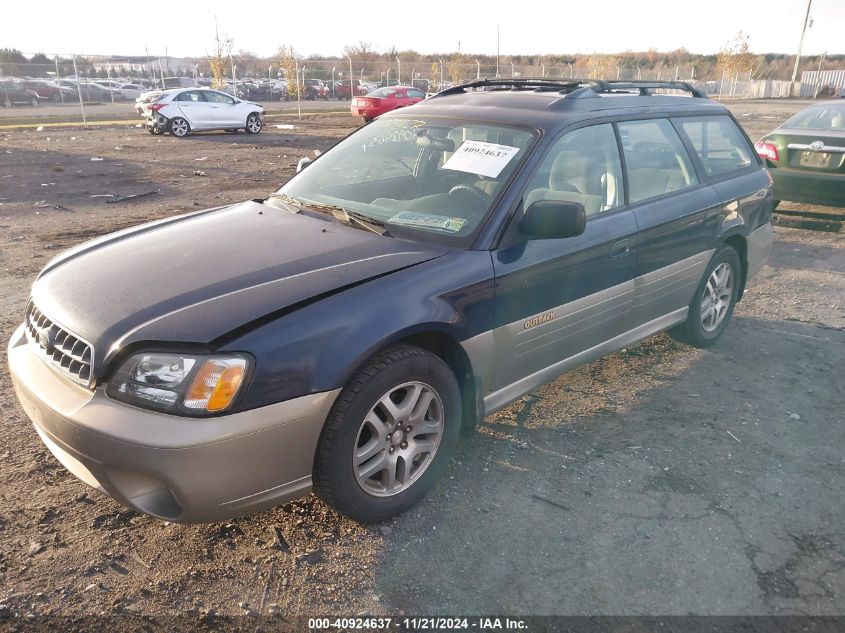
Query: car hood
[{"x": 198, "y": 277}]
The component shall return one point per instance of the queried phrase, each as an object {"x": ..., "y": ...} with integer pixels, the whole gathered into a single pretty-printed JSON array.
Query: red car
[
  {"x": 342, "y": 89},
  {"x": 384, "y": 100}
]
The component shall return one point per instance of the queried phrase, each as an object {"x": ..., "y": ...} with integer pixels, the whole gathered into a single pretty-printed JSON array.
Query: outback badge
[{"x": 538, "y": 320}]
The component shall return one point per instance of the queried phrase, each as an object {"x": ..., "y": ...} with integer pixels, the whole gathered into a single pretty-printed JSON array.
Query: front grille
[{"x": 60, "y": 349}]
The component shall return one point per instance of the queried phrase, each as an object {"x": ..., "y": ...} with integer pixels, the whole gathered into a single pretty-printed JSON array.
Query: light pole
[
  {"x": 478, "y": 69},
  {"x": 196, "y": 74},
  {"x": 440, "y": 59},
  {"x": 350, "y": 76},
  {"x": 800, "y": 46},
  {"x": 571, "y": 70},
  {"x": 513, "y": 70},
  {"x": 387, "y": 83},
  {"x": 398, "y": 71},
  {"x": 413, "y": 75},
  {"x": 333, "y": 69},
  {"x": 362, "y": 76},
  {"x": 543, "y": 66},
  {"x": 270, "y": 73}
]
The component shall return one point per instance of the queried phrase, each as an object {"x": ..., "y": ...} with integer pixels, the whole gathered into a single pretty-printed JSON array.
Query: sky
[{"x": 323, "y": 27}]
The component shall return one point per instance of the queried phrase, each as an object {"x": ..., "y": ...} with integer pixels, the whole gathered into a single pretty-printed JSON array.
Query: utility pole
[{"x": 800, "y": 46}]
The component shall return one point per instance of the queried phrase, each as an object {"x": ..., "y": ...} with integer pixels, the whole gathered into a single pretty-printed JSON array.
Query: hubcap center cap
[{"x": 397, "y": 437}]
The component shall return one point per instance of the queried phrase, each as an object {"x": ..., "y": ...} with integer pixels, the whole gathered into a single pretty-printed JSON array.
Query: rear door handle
[{"x": 620, "y": 249}]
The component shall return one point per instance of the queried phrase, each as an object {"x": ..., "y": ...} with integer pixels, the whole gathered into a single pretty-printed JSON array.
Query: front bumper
[
  {"x": 179, "y": 469},
  {"x": 809, "y": 187}
]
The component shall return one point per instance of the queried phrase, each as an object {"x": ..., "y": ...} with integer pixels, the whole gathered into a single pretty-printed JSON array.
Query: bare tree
[{"x": 217, "y": 61}]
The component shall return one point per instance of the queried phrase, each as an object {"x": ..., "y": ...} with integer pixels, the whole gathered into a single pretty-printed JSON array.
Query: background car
[
  {"x": 47, "y": 89},
  {"x": 384, "y": 100},
  {"x": 342, "y": 90},
  {"x": 181, "y": 112},
  {"x": 13, "y": 92},
  {"x": 315, "y": 89},
  {"x": 93, "y": 91},
  {"x": 806, "y": 155},
  {"x": 131, "y": 91}
]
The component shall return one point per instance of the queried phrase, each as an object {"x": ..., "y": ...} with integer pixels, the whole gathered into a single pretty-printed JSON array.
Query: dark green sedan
[{"x": 806, "y": 155}]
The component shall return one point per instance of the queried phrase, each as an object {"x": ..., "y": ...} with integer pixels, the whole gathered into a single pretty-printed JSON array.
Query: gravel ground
[{"x": 660, "y": 480}]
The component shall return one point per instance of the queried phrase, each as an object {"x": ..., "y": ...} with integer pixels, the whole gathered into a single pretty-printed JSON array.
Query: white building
[{"x": 145, "y": 65}]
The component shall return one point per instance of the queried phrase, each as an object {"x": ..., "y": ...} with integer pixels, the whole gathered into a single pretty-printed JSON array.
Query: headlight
[{"x": 180, "y": 383}]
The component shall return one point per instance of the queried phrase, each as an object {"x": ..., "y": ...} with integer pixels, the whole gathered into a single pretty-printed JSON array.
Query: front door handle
[{"x": 620, "y": 249}]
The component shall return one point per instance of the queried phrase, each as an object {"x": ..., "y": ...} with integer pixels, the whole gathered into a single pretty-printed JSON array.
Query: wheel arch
[
  {"x": 740, "y": 245},
  {"x": 439, "y": 340}
]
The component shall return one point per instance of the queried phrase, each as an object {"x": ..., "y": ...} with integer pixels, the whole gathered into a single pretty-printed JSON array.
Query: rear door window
[
  {"x": 655, "y": 159},
  {"x": 194, "y": 96},
  {"x": 719, "y": 144}
]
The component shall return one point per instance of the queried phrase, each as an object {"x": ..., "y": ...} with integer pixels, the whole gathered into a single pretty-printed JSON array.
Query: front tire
[
  {"x": 713, "y": 304},
  {"x": 179, "y": 127},
  {"x": 389, "y": 435},
  {"x": 253, "y": 123}
]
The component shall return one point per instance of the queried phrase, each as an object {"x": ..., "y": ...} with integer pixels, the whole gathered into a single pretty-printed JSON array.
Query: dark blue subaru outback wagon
[{"x": 432, "y": 267}]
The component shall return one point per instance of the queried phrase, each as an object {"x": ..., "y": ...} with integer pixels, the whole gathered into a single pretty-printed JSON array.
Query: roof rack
[
  {"x": 575, "y": 88},
  {"x": 645, "y": 86}
]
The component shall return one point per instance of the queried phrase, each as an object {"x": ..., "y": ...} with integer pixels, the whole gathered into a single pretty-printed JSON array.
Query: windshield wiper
[
  {"x": 288, "y": 200},
  {"x": 338, "y": 213}
]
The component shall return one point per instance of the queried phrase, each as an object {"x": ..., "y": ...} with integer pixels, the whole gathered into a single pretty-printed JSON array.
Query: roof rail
[
  {"x": 576, "y": 88},
  {"x": 555, "y": 85},
  {"x": 645, "y": 86}
]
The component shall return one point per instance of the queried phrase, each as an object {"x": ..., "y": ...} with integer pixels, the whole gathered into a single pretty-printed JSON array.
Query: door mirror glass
[{"x": 553, "y": 219}]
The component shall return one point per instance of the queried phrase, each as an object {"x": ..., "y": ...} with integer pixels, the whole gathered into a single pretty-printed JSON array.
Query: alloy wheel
[
  {"x": 253, "y": 123},
  {"x": 398, "y": 439},
  {"x": 718, "y": 294},
  {"x": 179, "y": 127}
]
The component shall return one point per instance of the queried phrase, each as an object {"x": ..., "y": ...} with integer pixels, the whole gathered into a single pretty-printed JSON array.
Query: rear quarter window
[{"x": 720, "y": 145}]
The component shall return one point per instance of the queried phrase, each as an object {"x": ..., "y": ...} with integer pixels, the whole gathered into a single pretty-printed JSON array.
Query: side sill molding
[{"x": 506, "y": 395}]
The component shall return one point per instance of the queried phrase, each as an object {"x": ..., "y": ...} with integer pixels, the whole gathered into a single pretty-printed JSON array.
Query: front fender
[{"x": 318, "y": 347}]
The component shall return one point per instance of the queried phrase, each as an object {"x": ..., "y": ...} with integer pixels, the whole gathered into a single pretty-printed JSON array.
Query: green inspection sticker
[{"x": 428, "y": 220}]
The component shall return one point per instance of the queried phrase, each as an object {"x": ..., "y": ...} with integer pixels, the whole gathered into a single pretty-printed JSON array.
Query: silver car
[{"x": 181, "y": 112}]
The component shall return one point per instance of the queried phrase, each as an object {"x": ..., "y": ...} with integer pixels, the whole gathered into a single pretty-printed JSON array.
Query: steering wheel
[{"x": 471, "y": 197}]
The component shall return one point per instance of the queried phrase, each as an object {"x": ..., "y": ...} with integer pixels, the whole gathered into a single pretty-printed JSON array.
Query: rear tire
[
  {"x": 372, "y": 463},
  {"x": 713, "y": 304},
  {"x": 179, "y": 127}
]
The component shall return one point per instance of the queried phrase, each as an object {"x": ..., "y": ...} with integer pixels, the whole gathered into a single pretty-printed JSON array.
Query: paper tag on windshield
[
  {"x": 428, "y": 220},
  {"x": 477, "y": 157}
]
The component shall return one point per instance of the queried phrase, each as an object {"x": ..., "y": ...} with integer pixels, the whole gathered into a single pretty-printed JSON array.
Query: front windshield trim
[{"x": 443, "y": 238}]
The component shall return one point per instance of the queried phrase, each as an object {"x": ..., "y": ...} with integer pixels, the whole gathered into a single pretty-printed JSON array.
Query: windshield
[
  {"x": 821, "y": 117},
  {"x": 433, "y": 179}
]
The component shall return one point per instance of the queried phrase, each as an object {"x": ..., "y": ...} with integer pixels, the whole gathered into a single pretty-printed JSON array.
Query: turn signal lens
[
  {"x": 227, "y": 386},
  {"x": 215, "y": 384}
]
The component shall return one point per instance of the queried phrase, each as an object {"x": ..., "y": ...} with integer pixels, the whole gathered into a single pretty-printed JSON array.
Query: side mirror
[
  {"x": 553, "y": 219},
  {"x": 302, "y": 164}
]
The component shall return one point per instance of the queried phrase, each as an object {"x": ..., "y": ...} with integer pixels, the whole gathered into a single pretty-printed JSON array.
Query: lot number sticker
[
  {"x": 428, "y": 220},
  {"x": 477, "y": 157}
]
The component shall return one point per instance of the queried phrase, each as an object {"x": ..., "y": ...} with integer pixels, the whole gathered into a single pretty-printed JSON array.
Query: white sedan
[
  {"x": 130, "y": 91},
  {"x": 181, "y": 112}
]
